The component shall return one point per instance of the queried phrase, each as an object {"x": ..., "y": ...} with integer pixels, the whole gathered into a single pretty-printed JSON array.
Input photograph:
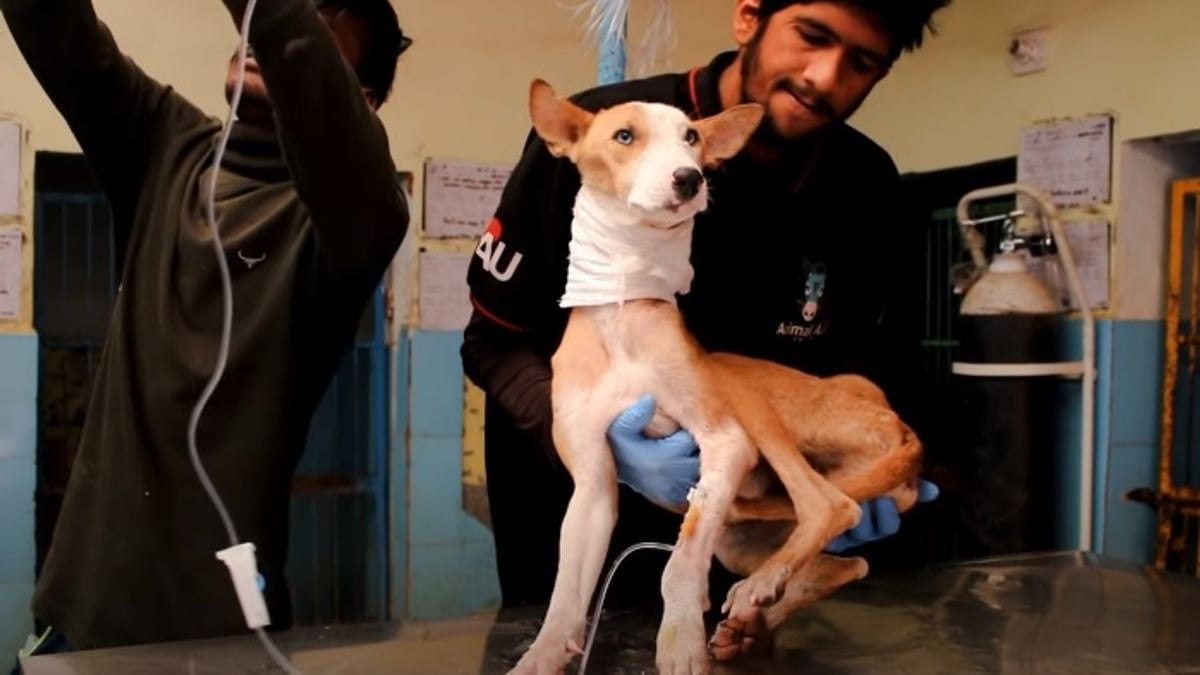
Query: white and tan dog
[{"x": 641, "y": 166}]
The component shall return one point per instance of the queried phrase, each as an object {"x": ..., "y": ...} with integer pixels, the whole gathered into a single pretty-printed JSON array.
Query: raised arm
[{"x": 335, "y": 144}]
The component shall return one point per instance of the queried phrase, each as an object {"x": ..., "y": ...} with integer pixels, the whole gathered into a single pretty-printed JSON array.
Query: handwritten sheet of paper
[
  {"x": 444, "y": 300},
  {"x": 10, "y": 272},
  {"x": 1070, "y": 159},
  {"x": 461, "y": 197},
  {"x": 10, "y": 169},
  {"x": 1090, "y": 246}
]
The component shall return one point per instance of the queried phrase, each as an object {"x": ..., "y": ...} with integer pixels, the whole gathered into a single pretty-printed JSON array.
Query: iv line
[
  {"x": 227, "y": 324},
  {"x": 591, "y": 638}
]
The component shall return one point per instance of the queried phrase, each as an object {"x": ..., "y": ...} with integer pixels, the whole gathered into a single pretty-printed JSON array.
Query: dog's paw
[
  {"x": 763, "y": 588},
  {"x": 550, "y": 653},
  {"x": 681, "y": 649},
  {"x": 737, "y": 636},
  {"x": 541, "y": 661}
]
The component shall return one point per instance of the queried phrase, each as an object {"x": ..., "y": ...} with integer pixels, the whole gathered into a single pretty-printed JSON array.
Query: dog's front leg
[
  {"x": 583, "y": 405},
  {"x": 727, "y": 457},
  {"x": 586, "y": 530}
]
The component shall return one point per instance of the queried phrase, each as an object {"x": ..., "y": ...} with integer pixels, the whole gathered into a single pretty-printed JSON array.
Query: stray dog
[{"x": 828, "y": 443}]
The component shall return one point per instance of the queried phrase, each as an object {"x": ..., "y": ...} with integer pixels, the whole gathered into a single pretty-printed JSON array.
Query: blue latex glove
[
  {"x": 662, "y": 470},
  {"x": 880, "y": 518}
]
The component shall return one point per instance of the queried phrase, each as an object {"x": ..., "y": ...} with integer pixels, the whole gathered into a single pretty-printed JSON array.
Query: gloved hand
[
  {"x": 661, "y": 469},
  {"x": 880, "y": 519}
]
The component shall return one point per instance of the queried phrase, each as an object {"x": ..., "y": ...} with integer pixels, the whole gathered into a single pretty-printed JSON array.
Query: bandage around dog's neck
[{"x": 616, "y": 257}]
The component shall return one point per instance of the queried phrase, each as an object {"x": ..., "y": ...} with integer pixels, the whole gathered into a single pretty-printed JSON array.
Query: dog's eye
[
  {"x": 623, "y": 136},
  {"x": 691, "y": 137}
]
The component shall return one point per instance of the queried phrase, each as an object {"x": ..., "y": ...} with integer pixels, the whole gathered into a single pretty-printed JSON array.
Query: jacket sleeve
[
  {"x": 897, "y": 351},
  {"x": 335, "y": 145}
]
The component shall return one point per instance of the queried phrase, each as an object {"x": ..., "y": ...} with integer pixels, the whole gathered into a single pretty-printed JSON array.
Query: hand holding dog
[
  {"x": 664, "y": 469},
  {"x": 880, "y": 519}
]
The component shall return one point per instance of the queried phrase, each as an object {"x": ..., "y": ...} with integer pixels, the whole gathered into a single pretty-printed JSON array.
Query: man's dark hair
[
  {"x": 385, "y": 41},
  {"x": 905, "y": 20}
]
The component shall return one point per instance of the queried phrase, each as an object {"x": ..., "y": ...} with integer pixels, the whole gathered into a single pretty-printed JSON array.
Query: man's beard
[{"x": 768, "y": 133}]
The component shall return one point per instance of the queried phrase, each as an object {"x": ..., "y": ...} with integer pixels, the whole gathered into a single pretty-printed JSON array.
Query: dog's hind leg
[
  {"x": 818, "y": 578},
  {"x": 868, "y": 451},
  {"x": 822, "y": 513},
  {"x": 872, "y": 451}
]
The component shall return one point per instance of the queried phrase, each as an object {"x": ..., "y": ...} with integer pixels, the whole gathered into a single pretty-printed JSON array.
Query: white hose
[
  {"x": 591, "y": 638},
  {"x": 226, "y": 322}
]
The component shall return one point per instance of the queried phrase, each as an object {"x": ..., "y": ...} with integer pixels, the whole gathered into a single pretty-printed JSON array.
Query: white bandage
[{"x": 615, "y": 258}]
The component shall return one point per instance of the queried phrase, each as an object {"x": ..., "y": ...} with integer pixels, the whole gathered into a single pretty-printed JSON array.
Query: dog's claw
[
  {"x": 736, "y": 637},
  {"x": 761, "y": 589}
]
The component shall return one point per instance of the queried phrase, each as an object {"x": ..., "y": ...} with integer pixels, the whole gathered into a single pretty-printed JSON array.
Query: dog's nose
[{"x": 686, "y": 182}]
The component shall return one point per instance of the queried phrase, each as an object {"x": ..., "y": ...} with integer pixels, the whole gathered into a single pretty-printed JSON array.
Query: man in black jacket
[
  {"x": 795, "y": 261},
  {"x": 310, "y": 215}
]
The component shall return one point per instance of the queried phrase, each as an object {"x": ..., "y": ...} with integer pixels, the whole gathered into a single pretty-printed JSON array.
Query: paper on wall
[
  {"x": 10, "y": 272},
  {"x": 10, "y": 169},
  {"x": 1071, "y": 160},
  {"x": 460, "y": 198},
  {"x": 443, "y": 296}
]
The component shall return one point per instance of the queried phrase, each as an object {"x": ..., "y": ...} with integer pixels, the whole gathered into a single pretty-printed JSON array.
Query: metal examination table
[{"x": 1056, "y": 614}]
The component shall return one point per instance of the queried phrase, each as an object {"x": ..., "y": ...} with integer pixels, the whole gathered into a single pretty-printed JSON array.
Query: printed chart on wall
[
  {"x": 10, "y": 169},
  {"x": 10, "y": 272},
  {"x": 12, "y": 229},
  {"x": 1070, "y": 159},
  {"x": 461, "y": 197},
  {"x": 443, "y": 297}
]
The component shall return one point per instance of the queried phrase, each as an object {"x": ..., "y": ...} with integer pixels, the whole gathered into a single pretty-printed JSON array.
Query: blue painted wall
[
  {"x": 449, "y": 569},
  {"x": 443, "y": 558},
  {"x": 450, "y": 555},
  {"x": 18, "y": 478},
  {"x": 1130, "y": 415},
  {"x": 1128, "y": 400},
  {"x": 1129, "y": 357}
]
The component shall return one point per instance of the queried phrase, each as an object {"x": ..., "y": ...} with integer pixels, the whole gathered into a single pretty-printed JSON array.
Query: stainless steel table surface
[{"x": 1056, "y": 613}]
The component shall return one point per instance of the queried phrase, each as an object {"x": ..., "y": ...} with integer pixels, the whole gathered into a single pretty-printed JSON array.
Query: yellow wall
[
  {"x": 954, "y": 102},
  {"x": 460, "y": 91}
]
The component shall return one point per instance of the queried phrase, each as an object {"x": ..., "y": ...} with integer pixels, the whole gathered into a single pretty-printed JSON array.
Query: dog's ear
[
  {"x": 560, "y": 123},
  {"x": 723, "y": 135}
]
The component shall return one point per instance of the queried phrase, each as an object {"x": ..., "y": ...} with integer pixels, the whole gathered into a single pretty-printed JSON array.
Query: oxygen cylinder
[{"x": 1009, "y": 323}]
